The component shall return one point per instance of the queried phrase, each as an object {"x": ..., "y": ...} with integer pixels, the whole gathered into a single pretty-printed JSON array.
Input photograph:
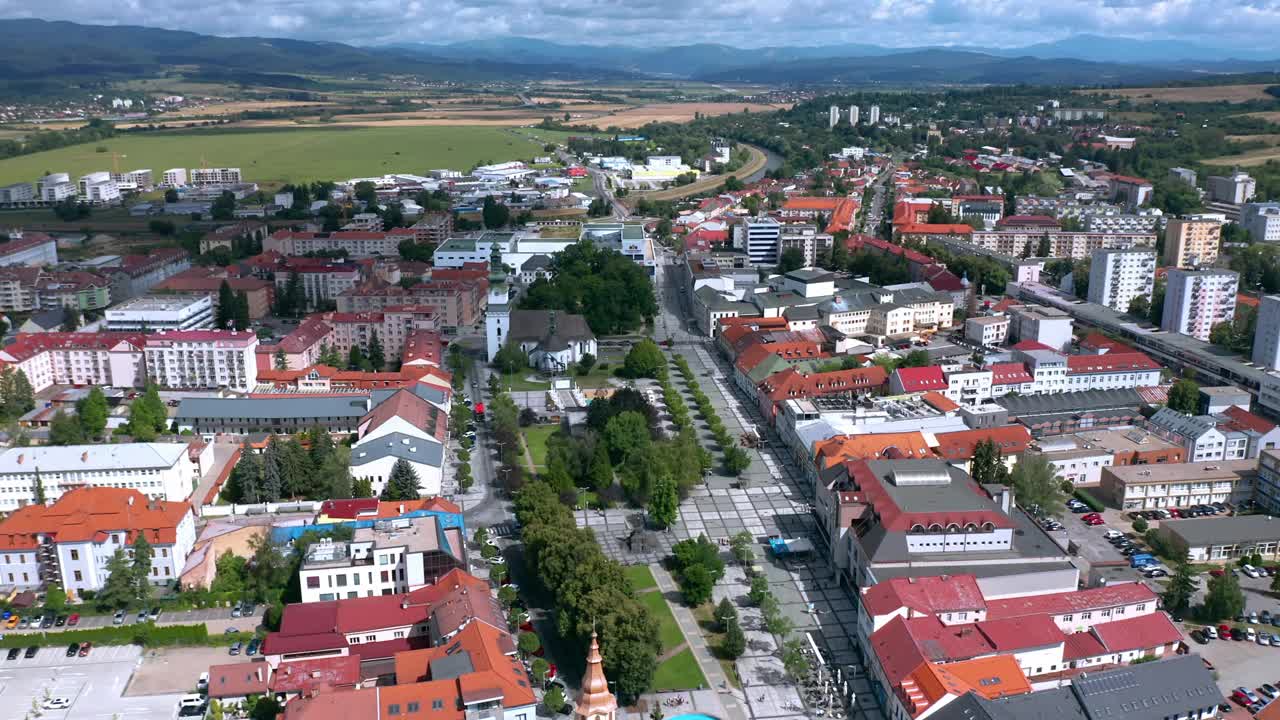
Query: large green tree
[
  {"x": 987, "y": 465},
  {"x": 119, "y": 590},
  {"x": 1177, "y": 595},
  {"x": 140, "y": 568},
  {"x": 92, "y": 412},
  {"x": 1035, "y": 481},
  {"x": 664, "y": 503},
  {"x": 644, "y": 359},
  {"x": 626, "y": 433},
  {"x": 65, "y": 429},
  {"x": 1223, "y": 599},
  {"x": 402, "y": 483},
  {"x": 612, "y": 292},
  {"x": 1184, "y": 396}
]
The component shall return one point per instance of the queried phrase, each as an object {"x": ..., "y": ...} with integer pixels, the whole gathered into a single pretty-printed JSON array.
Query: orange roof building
[{"x": 85, "y": 527}]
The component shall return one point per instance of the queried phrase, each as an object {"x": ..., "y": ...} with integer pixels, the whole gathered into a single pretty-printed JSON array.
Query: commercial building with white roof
[
  {"x": 163, "y": 471},
  {"x": 162, "y": 312}
]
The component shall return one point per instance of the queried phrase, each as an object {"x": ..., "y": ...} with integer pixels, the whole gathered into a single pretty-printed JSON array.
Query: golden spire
[{"x": 595, "y": 702}]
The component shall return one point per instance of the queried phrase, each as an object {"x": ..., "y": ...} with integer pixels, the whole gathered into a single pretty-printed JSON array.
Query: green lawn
[
  {"x": 640, "y": 577},
  {"x": 535, "y": 437},
  {"x": 681, "y": 672},
  {"x": 668, "y": 631},
  {"x": 280, "y": 155},
  {"x": 517, "y": 381}
]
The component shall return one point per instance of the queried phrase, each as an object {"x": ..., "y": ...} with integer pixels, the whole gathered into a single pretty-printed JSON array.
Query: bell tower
[
  {"x": 595, "y": 701},
  {"x": 497, "y": 320}
]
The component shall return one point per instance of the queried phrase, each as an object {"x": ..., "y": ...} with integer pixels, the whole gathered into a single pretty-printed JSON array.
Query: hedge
[
  {"x": 145, "y": 634},
  {"x": 1089, "y": 500}
]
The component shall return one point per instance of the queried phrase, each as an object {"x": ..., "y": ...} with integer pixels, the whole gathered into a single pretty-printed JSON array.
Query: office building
[
  {"x": 989, "y": 331},
  {"x": 1196, "y": 300},
  {"x": 55, "y": 187},
  {"x": 69, "y": 542},
  {"x": 215, "y": 176},
  {"x": 174, "y": 178},
  {"x": 1183, "y": 175},
  {"x": 160, "y": 471},
  {"x": 162, "y": 312},
  {"x": 1224, "y": 539},
  {"x": 1116, "y": 277},
  {"x": 1080, "y": 457},
  {"x": 202, "y": 359},
  {"x": 1046, "y": 325},
  {"x": 392, "y": 557},
  {"x": 17, "y": 193},
  {"x": 760, "y": 237},
  {"x": 99, "y": 188},
  {"x": 1262, "y": 220},
  {"x": 1191, "y": 243},
  {"x": 1181, "y": 485},
  {"x": 1237, "y": 188}
]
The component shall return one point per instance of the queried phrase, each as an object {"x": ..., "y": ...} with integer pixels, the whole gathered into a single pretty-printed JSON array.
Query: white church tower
[{"x": 497, "y": 319}]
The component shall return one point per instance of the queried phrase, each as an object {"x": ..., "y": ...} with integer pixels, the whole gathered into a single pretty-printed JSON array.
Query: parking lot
[
  {"x": 218, "y": 620},
  {"x": 95, "y": 686}
]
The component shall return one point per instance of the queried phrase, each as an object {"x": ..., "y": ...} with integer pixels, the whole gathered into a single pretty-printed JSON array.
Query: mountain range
[{"x": 46, "y": 58}]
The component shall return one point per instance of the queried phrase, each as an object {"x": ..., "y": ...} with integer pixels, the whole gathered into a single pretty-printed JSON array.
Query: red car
[
  {"x": 1224, "y": 631},
  {"x": 1175, "y": 512},
  {"x": 73, "y": 620},
  {"x": 1217, "y": 572},
  {"x": 1091, "y": 516},
  {"x": 1094, "y": 521},
  {"x": 85, "y": 647}
]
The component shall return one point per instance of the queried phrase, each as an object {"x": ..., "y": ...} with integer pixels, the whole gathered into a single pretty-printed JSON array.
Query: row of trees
[
  {"x": 233, "y": 308},
  {"x": 736, "y": 460},
  {"x": 17, "y": 397},
  {"x": 592, "y": 592},
  {"x": 287, "y": 469}
]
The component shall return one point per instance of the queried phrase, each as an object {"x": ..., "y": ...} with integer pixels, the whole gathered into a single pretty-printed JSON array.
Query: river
[{"x": 772, "y": 161}]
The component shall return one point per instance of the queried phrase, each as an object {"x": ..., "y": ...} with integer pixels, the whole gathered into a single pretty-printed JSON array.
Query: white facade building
[
  {"x": 215, "y": 176},
  {"x": 873, "y": 115},
  {"x": 989, "y": 331},
  {"x": 203, "y": 359},
  {"x": 70, "y": 542},
  {"x": 1266, "y": 339},
  {"x": 854, "y": 114},
  {"x": 1262, "y": 220},
  {"x": 1196, "y": 300},
  {"x": 162, "y": 312},
  {"x": 1046, "y": 325},
  {"x": 1116, "y": 277},
  {"x": 55, "y": 187},
  {"x": 161, "y": 471},
  {"x": 1236, "y": 188},
  {"x": 174, "y": 178},
  {"x": 99, "y": 188},
  {"x": 394, "y": 556}
]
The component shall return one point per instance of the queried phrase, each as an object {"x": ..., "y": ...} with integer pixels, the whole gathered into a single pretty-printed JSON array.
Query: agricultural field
[
  {"x": 233, "y": 107},
  {"x": 1199, "y": 93},
  {"x": 672, "y": 112},
  {"x": 271, "y": 158}
]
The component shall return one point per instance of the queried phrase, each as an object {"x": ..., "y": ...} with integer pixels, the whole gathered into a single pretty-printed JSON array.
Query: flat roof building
[
  {"x": 1148, "y": 487},
  {"x": 162, "y": 312},
  {"x": 1223, "y": 539}
]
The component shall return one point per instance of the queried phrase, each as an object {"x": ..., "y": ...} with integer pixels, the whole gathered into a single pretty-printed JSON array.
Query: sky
[{"x": 744, "y": 23}]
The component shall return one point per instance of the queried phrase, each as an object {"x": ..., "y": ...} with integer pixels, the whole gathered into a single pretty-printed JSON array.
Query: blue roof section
[
  {"x": 444, "y": 521},
  {"x": 398, "y": 445}
]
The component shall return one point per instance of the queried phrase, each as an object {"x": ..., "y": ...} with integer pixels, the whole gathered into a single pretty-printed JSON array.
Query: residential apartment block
[
  {"x": 214, "y": 176},
  {"x": 1196, "y": 300},
  {"x": 357, "y": 243},
  {"x": 1117, "y": 277},
  {"x": 392, "y": 557},
  {"x": 1266, "y": 337},
  {"x": 202, "y": 359},
  {"x": 1148, "y": 487},
  {"x": 68, "y": 543},
  {"x": 1235, "y": 189},
  {"x": 1191, "y": 243}
]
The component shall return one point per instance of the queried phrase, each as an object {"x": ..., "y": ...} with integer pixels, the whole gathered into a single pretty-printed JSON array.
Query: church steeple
[
  {"x": 497, "y": 271},
  {"x": 595, "y": 702}
]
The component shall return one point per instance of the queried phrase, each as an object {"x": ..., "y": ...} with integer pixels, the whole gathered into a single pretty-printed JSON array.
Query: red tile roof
[
  {"x": 804, "y": 202},
  {"x": 303, "y": 676},
  {"x": 1097, "y": 341},
  {"x": 91, "y": 514},
  {"x": 935, "y": 229},
  {"x": 1137, "y": 633},
  {"x": 1011, "y": 439},
  {"x": 925, "y": 595},
  {"x": 493, "y": 669},
  {"x": 1031, "y": 345},
  {"x": 1081, "y": 645},
  {"x": 791, "y": 383},
  {"x": 940, "y": 402},
  {"x": 1074, "y": 601},
  {"x": 879, "y": 446},
  {"x": 871, "y": 490},
  {"x": 919, "y": 379},
  {"x": 1010, "y": 373},
  {"x": 1247, "y": 420},
  {"x": 1112, "y": 362},
  {"x": 1013, "y": 634},
  {"x": 201, "y": 336},
  {"x": 238, "y": 679},
  {"x": 416, "y": 411}
]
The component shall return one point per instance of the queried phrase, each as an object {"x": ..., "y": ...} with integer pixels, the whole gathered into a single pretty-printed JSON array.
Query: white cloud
[{"x": 744, "y": 23}]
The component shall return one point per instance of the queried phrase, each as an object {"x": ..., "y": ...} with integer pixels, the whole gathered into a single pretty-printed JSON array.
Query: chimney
[
  {"x": 130, "y": 501},
  {"x": 401, "y": 508},
  {"x": 84, "y": 456},
  {"x": 20, "y": 457}
]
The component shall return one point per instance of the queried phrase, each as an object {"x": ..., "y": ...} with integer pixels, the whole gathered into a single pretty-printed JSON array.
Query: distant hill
[
  {"x": 949, "y": 67},
  {"x": 44, "y": 57}
]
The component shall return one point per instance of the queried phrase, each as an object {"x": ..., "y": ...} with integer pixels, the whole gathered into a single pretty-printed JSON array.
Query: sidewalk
[{"x": 693, "y": 637}]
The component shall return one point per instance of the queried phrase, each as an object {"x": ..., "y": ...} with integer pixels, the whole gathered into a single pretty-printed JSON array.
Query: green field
[
  {"x": 668, "y": 631},
  {"x": 640, "y": 576},
  {"x": 276, "y": 156},
  {"x": 681, "y": 672},
  {"x": 535, "y": 437}
]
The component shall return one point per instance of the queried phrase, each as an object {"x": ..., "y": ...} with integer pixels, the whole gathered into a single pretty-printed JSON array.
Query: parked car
[
  {"x": 13, "y": 622},
  {"x": 235, "y": 610},
  {"x": 1210, "y": 632},
  {"x": 62, "y": 620},
  {"x": 1199, "y": 637},
  {"x": 31, "y": 652},
  {"x": 1094, "y": 521},
  {"x": 1250, "y": 570},
  {"x": 73, "y": 620},
  {"x": 154, "y": 614},
  {"x": 142, "y": 616},
  {"x": 1244, "y": 696},
  {"x": 118, "y": 618},
  {"x": 252, "y": 648},
  {"x": 56, "y": 703},
  {"x": 72, "y": 649},
  {"x": 1237, "y": 634},
  {"x": 1112, "y": 534},
  {"x": 85, "y": 648},
  {"x": 1264, "y": 617},
  {"x": 1158, "y": 571},
  {"x": 202, "y": 684},
  {"x": 1253, "y": 618},
  {"x": 235, "y": 648},
  {"x": 1269, "y": 690},
  {"x": 1264, "y": 639},
  {"x": 48, "y": 620}
]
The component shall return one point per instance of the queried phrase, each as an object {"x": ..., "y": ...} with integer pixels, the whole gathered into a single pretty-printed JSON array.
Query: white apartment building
[
  {"x": 1262, "y": 220},
  {"x": 70, "y": 542},
  {"x": 1236, "y": 188},
  {"x": 162, "y": 312},
  {"x": 889, "y": 319},
  {"x": 1143, "y": 222},
  {"x": 174, "y": 178},
  {"x": 854, "y": 114},
  {"x": 17, "y": 193},
  {"x": 134, "y": 180},
  {"x": 99, "y": 188},
  {"x": 1199, "y": 435},
  {"x": 1180, "y": 485},
  {"x": 873, "y": 115},
  {"x": 805, "y": 238},
  {"x": 760, "y": 237},
  {"x": 215, "y": 176},
  {"x": 357, "y": 243},
  {"x": 202, "y": 359},
  {"x": 392, "y": 557},
  {"x": 161, "y": 471},
  {"x": 990, "y": 331},
  {"x": 1116, "y": 277},
  {"x": 1266, "y": 338},
  {"x": 1196, "y": 300},
  {"x": 320, "y": 283},
  {"x": 1046, "y": 325},
  {"x": 55, "y": 187},
  {"x": 106, "y": 359}
]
